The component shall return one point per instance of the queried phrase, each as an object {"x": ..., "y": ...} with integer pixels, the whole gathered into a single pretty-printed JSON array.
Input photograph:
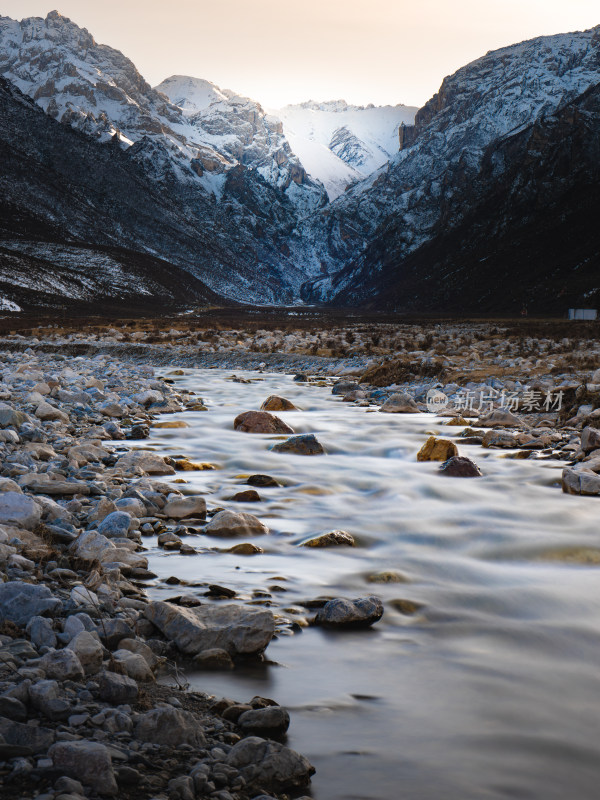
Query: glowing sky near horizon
[{"x": 287, "y": 51}]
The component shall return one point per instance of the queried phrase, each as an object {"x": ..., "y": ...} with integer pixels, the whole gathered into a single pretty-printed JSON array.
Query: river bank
[{"x": 111, "y": 527}]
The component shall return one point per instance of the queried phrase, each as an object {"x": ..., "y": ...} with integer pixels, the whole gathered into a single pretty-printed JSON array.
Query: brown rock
[
  {"x": 260, "y": 422},
  {"x": 437, "y": 450},
  {"x": 460, "y": 467},
  {"x": 276, "y": 403}
]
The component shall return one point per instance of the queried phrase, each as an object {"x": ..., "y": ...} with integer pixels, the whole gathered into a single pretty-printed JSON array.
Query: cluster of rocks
[
  {"x": 81, "y": 645},
  {"x": 570, "y": 433}
]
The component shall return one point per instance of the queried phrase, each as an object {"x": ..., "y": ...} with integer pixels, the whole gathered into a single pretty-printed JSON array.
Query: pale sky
[{"x": 287, "y": 51}]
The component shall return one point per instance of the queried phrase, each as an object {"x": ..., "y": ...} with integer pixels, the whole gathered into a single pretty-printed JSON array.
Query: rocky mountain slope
[
  {"x": 231, "y": 172},
  {"x": 484, "y": 101},
  {"x": 67, "y": 204},
  {"x": 523, "y": 232},
  {"x": 340, "y": 144}
]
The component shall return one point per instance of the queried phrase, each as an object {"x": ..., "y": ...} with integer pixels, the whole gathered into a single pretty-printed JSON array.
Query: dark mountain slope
[{"x": 523, "y": 231}]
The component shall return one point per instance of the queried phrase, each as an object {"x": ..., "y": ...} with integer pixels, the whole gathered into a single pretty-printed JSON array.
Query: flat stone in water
[
  {"x": 359, "y": 613},
  {"x": 305, "y": 444}
]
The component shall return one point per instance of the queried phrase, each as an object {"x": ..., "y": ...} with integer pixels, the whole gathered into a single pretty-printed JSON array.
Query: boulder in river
[
  {"x": 504, "y": 439},
  {"x": 184, "y": 507},
  {"x": 580, "y": 482},
  {"x": 460, "y": 467},
  {"x": 590, "y": 439},
  {"x": 437, "y": 450},
  {"x": 230, "y": 523},
  {"x": 260, "y": 422},
  {"x": 400, "y": 403},
  {"x": 262, "y": 480},
  {"x": 331, "y": 539},
  {"x": 344, "y": 387},
  {"x": 239, "y": 630},
  {"x": 305, "y": 444},
  {"x": 359, "y": 613},
  {"x": 277, "y": 403}
]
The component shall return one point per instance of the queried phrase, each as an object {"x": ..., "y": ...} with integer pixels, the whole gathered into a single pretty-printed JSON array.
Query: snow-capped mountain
[
  {"x": 340, "y": 144},
  {"x": 232, "y": 171},
  {"x": 482, "y": 102}
]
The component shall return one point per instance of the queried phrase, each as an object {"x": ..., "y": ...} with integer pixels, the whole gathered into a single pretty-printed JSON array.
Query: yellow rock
[
  {"x": 276, "y": 403},
  {"x": 193, "y": 466},
  {"x": 331, "y": 539},
  {"x": 457, "y": 421},
  {"x": 245, "y": 549},
  {"x": 437, "y": 450},
  {"x": 174, "y": 423}
]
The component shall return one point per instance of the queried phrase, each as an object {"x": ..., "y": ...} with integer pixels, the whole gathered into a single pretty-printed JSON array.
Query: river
[{"x": 492, "y": 688}]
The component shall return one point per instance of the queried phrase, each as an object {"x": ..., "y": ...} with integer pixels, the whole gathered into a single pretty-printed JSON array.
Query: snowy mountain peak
[{"x": 191, "y": 95}]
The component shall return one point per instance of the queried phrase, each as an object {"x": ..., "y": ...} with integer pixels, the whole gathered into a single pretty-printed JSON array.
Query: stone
[
  {"x": 112, "y": 630},
  {"x": 590, "y": 439},
  {"x": 20, "y": 601},
  {"x": 260, "y": 422},
  {"x": 400, "y": 403},
  {"x": 344, "y": 387},
  {"x": 92, "y": 546},
  {"x": 48, "y": 413},
  {"x": 499, "y": 438},
  {"x": 437, "y": 450},
  {"x": 182, "y": 788},
  {"x": 68, "y": 785},
  {"x": 269, "y": 765},
  {"x": 115, "y": 525},
  {"x": 239, "y": 630},
  {"x": 36, "y": 739},
  {"x": 111, "y": 409},
  {"x": 213, "y": 659},
  {"x": 230, "y": 523},
  {"x": 500, "y": 418},
  {"x": 134, "y": 665},
  {"x": 184, "y": 507},
  {"x": 185, "y": 465},
  {"x": 305, "y": 444},
  {"x": 579, "y": 482},
  {"x": 62, "y": 665},
  {"x": 45, "y": 696},
  {"x": 11, "y": 708},
  {"x": 331, "y": 539},
  {"x": 245, "y": 549},
  {"x": 359, "y": 613},
  {"x": 6, "y": 485},
  {"x": 262, "y": 480},
  {"x": 88, "y": 650},
  {"x": 11, "y": 417},
  {"x": 276, "y": 403},
  {"x": 41, "y": 632},
  {"x": 169, "y": 726},
  {"x": 148, "y": 462},
  {"x": 19, "y": 510},
  {"x": 45, "y": 483},
  {"x": 270, "y": 721},
  {"x": 248, "y": 496},
  {"x": 88, "y": 762},
  {"x": 142, "y": 649},
  {"x": 117, "y": 689},
  {"x": 460, "y": 467}
]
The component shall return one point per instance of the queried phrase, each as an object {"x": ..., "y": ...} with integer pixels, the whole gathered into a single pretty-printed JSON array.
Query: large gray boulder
[
  {"x": 579, "y": 482},
  {"x": 88, "y": 762},
  {"x": 20, "y": 601},
  {"x": 269, "y": 765},
  {"x": 590, "y": 439},
  {"x": 19, "y": 510},
  {"x": 236, "y": 629}
]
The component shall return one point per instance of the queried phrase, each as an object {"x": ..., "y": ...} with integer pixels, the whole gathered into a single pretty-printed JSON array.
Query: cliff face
[
  {"x": 522, "y": 233},
  {"x": 481, "y": 103}
]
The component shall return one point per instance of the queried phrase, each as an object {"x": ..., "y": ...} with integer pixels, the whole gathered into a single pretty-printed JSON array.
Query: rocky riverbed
[{"x": 95, "y": 646}]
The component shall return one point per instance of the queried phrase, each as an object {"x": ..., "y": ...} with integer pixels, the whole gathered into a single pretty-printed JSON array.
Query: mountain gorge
[{"x": 466, "y": 203}]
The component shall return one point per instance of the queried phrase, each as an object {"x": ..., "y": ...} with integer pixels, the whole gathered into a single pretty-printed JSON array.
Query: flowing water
[{"x": 490, "y": 690}]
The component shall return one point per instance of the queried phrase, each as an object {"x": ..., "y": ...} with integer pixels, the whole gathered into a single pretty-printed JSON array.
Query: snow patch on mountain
[{"x": 339, "y": 144}]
